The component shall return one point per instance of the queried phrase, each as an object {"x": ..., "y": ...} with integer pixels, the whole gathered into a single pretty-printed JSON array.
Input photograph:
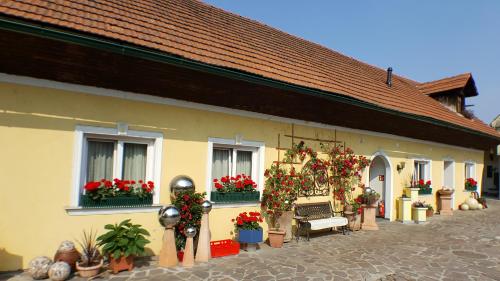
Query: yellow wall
[{"x": 37, "y": 141}]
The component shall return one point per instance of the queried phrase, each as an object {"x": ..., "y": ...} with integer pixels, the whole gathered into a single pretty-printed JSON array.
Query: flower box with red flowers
[
  {"x": 117, "y": 193},
  {"x": 424, "y": 187},
  {"x": 248, "y": 227},
  {"x": 470, "y": 184},
  {"x": 240, "y": 188}
]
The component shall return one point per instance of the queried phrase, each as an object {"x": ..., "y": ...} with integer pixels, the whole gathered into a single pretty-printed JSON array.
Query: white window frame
[
  {"x": 427, "y": 171},
  {"x": 154, "y": 141},
  {"x": 257, "y": 149},
  {"x": 472, "y": 171}
]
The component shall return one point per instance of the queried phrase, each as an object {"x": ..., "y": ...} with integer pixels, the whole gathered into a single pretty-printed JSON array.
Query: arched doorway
[{"x": 380, "y": 179}]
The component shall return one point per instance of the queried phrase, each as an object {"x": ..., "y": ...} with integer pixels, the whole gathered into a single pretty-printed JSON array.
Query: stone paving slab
[{"x": 465, "y": 246}]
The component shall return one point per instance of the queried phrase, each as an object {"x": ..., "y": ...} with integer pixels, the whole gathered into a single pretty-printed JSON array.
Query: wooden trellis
[{"x": 318, "y": 189}]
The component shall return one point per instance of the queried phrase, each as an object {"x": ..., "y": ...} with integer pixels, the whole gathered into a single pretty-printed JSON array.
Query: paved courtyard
[{"x": 465, "y": 246}]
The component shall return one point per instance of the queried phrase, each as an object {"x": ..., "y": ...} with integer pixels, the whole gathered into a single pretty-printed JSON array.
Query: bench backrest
[{"x": 314, "y": 211}]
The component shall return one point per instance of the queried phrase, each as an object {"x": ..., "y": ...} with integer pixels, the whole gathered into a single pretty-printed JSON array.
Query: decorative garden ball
[
  {"x": 169, "y": 216},
  {"x": 206, "y": 206},
  {"x": 190, "y": 232},
  {"x": 464, "y": 207},
  {"x": 368, "y": 190},
  {"x": 181, "y": 183},
  {"x": 38, "y": 267},
  {"x": 66, "y": 246},
  {"x": 59, "y": 271}
]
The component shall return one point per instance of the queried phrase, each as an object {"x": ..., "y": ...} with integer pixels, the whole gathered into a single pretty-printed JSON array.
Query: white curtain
[
  {"x": 220, "y": 163},
  {"x": 134, "y": 161},
  {"x": 244, "y": 162},
  {"x": 99, "y": 160}
]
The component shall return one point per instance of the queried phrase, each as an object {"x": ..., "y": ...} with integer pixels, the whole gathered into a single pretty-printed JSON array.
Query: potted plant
[
  {"x": 280, "y": 193},
  {"x": 419, "y": 212},
  {"x": 91, "y": 261},
  {"x": 117, "y": 193},
  {"x": 240, "y": 188},
  {"x": 189, "y": 205},
  {"x": 247, "y": 225},
  {"x": 470, "y": 184},
  {"x": 430, "y": 210},
  {"x": 122, "y": 243},
  {"x": 369, "y": 197}
]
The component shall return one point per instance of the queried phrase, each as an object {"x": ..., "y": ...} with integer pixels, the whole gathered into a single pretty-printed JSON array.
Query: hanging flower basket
[
  {"x": 117, "y": 201},
  {"x": 234, "y": 197}
]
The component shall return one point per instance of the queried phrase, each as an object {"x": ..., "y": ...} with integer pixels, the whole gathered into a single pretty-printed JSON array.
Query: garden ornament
[
  {"x": 203, "y": 251},
  {"x": 38, "y": 267},
  {"x": 181, "y": 183},
  {"x": 188, "y": 260},
  {"x": 59, "y": 271},
  {"x": 168, "y": 216}
]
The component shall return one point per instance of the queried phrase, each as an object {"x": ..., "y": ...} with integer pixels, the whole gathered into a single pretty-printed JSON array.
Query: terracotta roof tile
[
  {"x": 197, "y": 31},
  {"x": 449, "y": 83}
]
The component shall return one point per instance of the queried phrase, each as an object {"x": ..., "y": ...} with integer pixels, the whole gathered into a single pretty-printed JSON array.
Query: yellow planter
[
  {"x": 404, "y": 211},
  {"x": 412, "y": 193},
  {"x": 419, "y": 215}
]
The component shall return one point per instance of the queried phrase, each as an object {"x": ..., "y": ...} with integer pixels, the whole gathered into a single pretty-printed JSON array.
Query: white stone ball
[
  {"x": 464, "y": 207},
  {"x": 59, "y": 271},
  {"x": 66, "y": 246},
  {"x": 38, "y": 267},
  {"x": 471, "y": 202},
  {"x": 480, "y": 207}
]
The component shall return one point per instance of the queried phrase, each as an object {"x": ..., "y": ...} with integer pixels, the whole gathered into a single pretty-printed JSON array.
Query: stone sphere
[
  {"x": 190, "y": 231},
  {"x": 169, "y": 216},
  {"x": 471, "y": 202},
  {"x": 38, "y": 267},
  {"x": 368, "y": 190},
  {"x": 464, "y": 207},
  {"x": 206, "y": 206},
  {"x": 66, "y": 246},
  {"x": 59, "y": 271},
  {"x": 181, "y": 183},
  {"x": 480, "y": 207}
]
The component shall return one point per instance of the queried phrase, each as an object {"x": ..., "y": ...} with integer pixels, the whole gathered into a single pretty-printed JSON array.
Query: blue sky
[{"x": 422, "y": 40}]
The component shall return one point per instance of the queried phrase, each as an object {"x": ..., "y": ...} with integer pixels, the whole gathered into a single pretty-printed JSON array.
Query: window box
[
  {"x": 118, "y": 201},
  {"x": 425, "y": 191},
  {"x": 472, "y": 188},
  {"x": 234, "y": 197}
]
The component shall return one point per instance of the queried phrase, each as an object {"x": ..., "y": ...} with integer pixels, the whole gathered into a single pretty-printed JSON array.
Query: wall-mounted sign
[{"x": 381, "y": 177}]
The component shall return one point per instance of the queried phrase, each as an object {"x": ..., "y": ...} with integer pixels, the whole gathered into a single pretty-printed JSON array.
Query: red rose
[{"x": 185, "y": 197}]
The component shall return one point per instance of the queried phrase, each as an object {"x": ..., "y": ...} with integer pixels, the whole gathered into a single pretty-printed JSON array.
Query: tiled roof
[
  {"x": 449, "y": 83},
  {"x": 200, "y": 32}
]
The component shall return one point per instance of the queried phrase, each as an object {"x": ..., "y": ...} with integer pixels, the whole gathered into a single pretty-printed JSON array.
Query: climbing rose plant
[
  {"x": 345, "y": 170},
  {"x": 189, "y": 205}
]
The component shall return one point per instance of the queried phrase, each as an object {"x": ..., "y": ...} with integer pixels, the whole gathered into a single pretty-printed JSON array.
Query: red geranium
[
  {"x": 240, "y": 183},
  {"x": 248, "y": 221}
]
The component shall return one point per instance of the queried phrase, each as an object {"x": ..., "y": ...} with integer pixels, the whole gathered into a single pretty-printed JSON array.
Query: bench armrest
[{"x": 302, "y": 218}]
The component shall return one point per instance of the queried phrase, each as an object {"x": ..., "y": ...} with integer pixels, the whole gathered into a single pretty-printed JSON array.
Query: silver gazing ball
[
  {"x": 181, "y": 183},
  {"x": 206, "y": 206},
  {"x": 368, "y": 190},
  {"x": 190, "y": 232},
  {"x": 169, "y": 216}
]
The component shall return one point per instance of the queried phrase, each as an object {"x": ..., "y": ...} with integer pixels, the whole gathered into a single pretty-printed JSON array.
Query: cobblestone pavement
[{"x": 465, "y": 246}]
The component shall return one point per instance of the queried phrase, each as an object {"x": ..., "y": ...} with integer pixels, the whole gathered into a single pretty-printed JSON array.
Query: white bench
[{"x": 316, "y": 216}]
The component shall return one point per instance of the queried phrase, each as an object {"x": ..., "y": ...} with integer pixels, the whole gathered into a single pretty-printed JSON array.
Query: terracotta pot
[
  {"x": 120, "y": 264},
  {"x": 276, "y": 238},
  {"x": 429, "y": 213},
  {"x": 69, "y": 257},
  {"x": 90, "y": 271},
  {"x": 285, "y": 223}
]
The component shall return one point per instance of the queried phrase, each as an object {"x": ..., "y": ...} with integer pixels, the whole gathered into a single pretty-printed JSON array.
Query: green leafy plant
[
  {"x": 90, "y": 252},
  {"x": 429, "y": 207},
  {"x": 123, "y": 239},
  {"x": 189, "y": 205}
]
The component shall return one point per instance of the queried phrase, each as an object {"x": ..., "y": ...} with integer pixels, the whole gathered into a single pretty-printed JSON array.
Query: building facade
[{"x": 78, "y": 103}]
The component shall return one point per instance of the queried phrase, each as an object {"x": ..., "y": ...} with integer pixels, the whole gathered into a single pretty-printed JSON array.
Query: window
[
  {"x": 227, "y": 158},
  {"x": 421, "y": 170},
  {"x": 116, "y": 158},
  {"x": 103, "y": 153},
  {"x": 470, "y": 170}
]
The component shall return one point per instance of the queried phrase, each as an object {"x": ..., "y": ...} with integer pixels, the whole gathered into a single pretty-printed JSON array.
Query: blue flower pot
[{"x": 250, "y": 236}]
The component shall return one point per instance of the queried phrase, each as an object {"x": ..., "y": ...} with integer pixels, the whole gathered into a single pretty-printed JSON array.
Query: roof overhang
[{"x": 44, "y": 52}]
